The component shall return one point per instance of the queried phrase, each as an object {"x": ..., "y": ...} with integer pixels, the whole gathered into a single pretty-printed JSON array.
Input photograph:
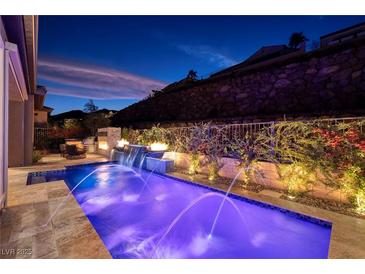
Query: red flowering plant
[{"x": 343, "y": 159}]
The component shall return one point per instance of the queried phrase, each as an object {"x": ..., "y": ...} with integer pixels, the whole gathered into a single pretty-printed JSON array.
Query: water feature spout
[
  {"x": 191, "y": 205},
  {"x": 149, "y": 176},
  {"x": 70, "y": 193},
  {"x": 224, "y": 199}
]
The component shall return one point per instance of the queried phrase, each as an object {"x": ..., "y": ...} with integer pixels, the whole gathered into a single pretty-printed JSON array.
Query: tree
[
  {"x": 192, "y": 75},
  {"x": 296, "y": 39},
  {"x": 71, "y": 123},
  {"x": 93, "y": 121},
  {"x": 90, "y": 106}
]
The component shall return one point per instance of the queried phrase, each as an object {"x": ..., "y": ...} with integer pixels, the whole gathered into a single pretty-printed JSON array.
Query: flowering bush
[
  {"x": 294, "y": 151},
  {"x": 343, "y": 159},
  {"x": 306, "y": 153}
]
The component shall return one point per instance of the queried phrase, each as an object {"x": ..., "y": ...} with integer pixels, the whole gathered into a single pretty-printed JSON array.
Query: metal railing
[
  {"x": 240, "y": 130},
  {"x": 41, "y": 136}
]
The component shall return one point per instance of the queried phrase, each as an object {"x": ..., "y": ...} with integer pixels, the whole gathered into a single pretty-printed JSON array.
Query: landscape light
[
  {"x": 158, "y": 147},
  {"x": 123, "y": 142},
  {"x": 103, "y": 145}
]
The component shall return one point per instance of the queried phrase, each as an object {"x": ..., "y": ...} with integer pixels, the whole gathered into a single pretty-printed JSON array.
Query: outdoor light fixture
[
  {"x": 121, "y": 143},
  {"x": 158, "y": 147},
  {"x": 76, "y": 142},
  {"x": 103, "y": 145}
]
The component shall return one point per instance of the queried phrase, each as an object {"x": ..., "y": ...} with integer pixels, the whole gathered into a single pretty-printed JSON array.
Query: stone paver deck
[{"x": 69, "y": 235}]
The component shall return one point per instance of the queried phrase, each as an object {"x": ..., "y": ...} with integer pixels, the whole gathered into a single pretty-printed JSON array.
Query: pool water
[{"x": 170, "y": 218}]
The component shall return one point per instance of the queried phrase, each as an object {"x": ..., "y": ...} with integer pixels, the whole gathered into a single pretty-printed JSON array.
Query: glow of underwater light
[
  {"x": 130, "y": 197},
  {"x": 161, "y": 197},
  {"x": 103, "y": 179},
  {"x": 200, "y": 244},
  {"x": 100, "y": 201}
]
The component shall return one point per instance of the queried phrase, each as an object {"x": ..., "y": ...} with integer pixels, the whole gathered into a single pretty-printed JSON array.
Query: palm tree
[
  {"x": 296, "y": 39},
  {"x": 192, "y": 75},
  {"x": 90, "y": 106}
]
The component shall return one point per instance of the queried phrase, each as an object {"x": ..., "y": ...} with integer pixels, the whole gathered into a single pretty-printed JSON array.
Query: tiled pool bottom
[{"x": 171, "y": 218}]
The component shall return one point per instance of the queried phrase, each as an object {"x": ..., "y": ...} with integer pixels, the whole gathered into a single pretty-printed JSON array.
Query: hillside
[
  {"x": 77, "y": 114},
  {"x": 323, "y": 82}
]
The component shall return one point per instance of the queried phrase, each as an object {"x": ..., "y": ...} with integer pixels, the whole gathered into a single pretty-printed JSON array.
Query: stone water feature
[{"x": 141, "y": 157}]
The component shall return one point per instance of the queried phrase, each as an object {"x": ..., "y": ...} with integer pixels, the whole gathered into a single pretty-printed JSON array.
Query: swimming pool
[{"x": 172, "y": 218}]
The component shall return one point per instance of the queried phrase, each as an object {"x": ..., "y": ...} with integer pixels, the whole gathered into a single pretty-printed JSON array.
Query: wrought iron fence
[{"x": 41, "y": 137}]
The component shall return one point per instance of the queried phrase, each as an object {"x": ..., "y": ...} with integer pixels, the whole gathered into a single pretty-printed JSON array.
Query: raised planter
[
  {"x": 159, "y": 165},
  {"x": 270, "y": 176}
]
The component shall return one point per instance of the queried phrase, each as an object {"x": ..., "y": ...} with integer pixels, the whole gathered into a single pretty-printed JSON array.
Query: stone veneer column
[{"x": 109, "y": 136}]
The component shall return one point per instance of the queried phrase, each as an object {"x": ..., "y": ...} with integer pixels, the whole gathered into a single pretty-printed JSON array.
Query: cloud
[
  {"x": 87, "y": 81},
  {"x": 207, "y": 53}
]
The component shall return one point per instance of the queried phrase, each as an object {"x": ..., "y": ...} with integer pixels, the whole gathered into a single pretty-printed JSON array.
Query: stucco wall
[
  {"x": 40, "y": 117},
  {"x": 324, "y": 81},
  {"x": 16, "y": 133}
]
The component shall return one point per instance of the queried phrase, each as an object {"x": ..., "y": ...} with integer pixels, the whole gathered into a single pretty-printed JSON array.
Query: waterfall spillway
[{"x": 129, "y": 155}]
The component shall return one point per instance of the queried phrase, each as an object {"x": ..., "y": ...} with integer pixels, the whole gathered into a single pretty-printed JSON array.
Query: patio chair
[{"x": 73, "y": 152}]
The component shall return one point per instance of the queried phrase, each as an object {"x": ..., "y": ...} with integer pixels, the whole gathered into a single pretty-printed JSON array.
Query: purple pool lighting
[{"x": 170, "y": 218}]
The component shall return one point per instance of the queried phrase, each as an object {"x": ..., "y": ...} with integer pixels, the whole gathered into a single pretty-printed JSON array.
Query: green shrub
[
  {"x": 36, "y": 156},
  {"x": 194, "y": 163}
]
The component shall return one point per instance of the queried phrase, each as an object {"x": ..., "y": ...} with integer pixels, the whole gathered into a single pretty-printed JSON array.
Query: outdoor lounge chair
[{"x": 73, "y": 152}]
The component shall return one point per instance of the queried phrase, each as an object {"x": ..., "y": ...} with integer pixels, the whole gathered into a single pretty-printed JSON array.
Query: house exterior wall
[
  {"x": 16, "y": 133},
  {"x": 343, "y": 36},
  {"x": 16, "y": 99},
  {"x": 40, "y": 117},
  {"x": 4, "y": 95},
  {"x": 21, "y": 130},
  {"x": 28, "y": 130}
]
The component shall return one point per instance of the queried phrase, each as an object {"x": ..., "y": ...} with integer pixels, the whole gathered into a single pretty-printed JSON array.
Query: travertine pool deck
[{"x": 70, "y": 234}]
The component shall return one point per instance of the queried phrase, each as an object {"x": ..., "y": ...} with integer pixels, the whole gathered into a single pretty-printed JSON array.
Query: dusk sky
[{"x": 117, "y": 60}]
